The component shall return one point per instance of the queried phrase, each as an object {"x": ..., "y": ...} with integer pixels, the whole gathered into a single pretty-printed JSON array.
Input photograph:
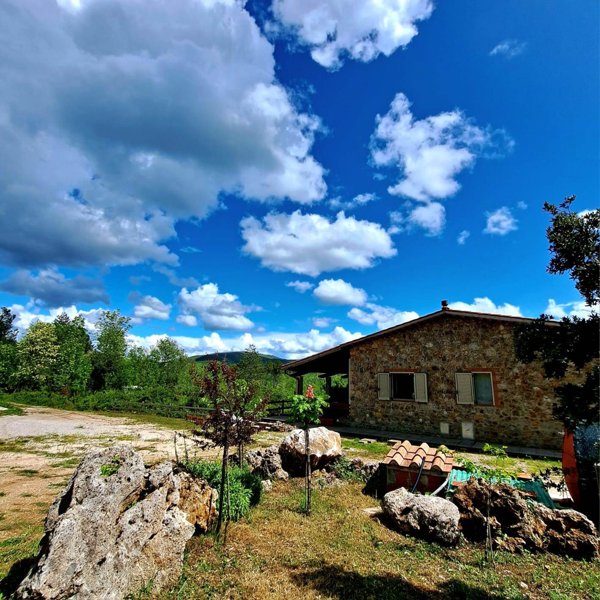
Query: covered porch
[{"x": 326, "y": 365}]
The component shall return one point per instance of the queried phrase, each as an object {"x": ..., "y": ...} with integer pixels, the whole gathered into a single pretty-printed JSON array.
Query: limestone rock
[
  {"x": 117, "y": 527},
  {"x": 518, "y": 523},
  {"x": 266, "y": 463},
  {"x": 324, "y": 447},
  {"x": 428, "y": 517}
]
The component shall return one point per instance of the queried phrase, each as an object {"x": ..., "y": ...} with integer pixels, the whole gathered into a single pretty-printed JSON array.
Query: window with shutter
[
  {"x": 420, "y": 387},
  {"x": 383, "y": 386},
  {"x": 402, "y": 386},
  {"x": 475, "y": 388},
  {"x": 464, "y": 388}
]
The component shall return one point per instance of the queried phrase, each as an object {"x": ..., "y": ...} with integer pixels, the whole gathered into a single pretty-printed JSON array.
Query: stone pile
[
  {"x": 117, "y": 528},
  {"x": 518, "y": 524}
]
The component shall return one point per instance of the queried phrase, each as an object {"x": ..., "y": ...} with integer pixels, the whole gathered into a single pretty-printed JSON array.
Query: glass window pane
[
  {"x": 403, "y": 386},
  {"x": 482, "y": 383}
]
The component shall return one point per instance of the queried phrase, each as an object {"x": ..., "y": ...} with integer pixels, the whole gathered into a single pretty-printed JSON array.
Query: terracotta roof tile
[{"x": 405, "y": 455}]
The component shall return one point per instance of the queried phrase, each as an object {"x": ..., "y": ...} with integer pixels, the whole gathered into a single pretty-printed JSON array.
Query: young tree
[
  {"x": 8, "y": 333},
  {"x": 235, "y": 408},
  {"x": 8, "y": 349},
  {"x": 74, "y": 362},
  {"x": 306, "y": 410},
  {"x": 110, "y": 369},
  {"x": 170, "y": 361},
  {"x": 37, "y": 355}
]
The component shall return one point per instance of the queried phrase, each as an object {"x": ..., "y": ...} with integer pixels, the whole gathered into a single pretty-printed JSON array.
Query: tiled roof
[{"x": 404, "y": 454}]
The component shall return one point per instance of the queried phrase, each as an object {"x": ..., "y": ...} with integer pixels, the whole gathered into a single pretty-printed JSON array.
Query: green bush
[
  {"x": 343, "y": 469},
  {"x": 245, "y": 488}
]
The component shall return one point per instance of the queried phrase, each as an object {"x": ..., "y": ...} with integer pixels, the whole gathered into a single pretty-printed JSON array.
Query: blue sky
[{"x": 294, "y": 173}]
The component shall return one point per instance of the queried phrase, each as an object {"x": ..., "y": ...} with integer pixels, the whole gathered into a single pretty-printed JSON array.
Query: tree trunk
[
  {"x": 307, "y": 470},
  {"x": 224, "y": 465}
]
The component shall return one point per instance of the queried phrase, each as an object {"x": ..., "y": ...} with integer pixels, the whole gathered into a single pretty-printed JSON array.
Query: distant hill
[{"x": 233, "y": 358}]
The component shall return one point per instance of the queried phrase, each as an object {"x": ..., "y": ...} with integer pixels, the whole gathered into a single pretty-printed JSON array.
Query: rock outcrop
[
  {"x": 518, "y": 523},
  {"x": 118, "y": 527},
  {"x": 428, "y": 517},
  {"x": 266, "y": 463},
  {"x": 324, "y": 447}
]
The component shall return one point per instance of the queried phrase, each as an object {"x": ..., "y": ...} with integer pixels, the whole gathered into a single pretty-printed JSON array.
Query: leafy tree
[
  {"x": 74, "y": 363},
  {"x": 575, "y": 246},
  {"x": 170, "y": 361},
  {"x": 573, "y": 343},
  {"x": 307, "y": 410},
  {"x": 8, "y": 332},
  {"x": 110, "y": 368},
  {"x": 8, "y": 349},
  {"x": 37, "y": 354},
  {"x": 236, "y": 406}
]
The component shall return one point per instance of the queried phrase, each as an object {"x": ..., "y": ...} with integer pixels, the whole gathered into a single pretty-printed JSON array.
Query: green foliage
[
  {"x": 108, "y": 469},
  {"x": 74, "y": 362},
  {"x": 343, "y": 469},
  {"x": 493, "y": 474},
  {"x": 575, "y": 246},
  {"x": 8, "y": 334},
  {"x": 8, "y": 365},
  {"x": 307, "y": 410},
  {"x": 109, "y": 364},
  {"x": 499, "y": 451},
  {"x": 37, "y": 355},
  {"x": 244, "y": 490}
]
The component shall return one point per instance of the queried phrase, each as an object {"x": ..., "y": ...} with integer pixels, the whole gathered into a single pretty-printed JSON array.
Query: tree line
[{"x": 62, "y": 359}]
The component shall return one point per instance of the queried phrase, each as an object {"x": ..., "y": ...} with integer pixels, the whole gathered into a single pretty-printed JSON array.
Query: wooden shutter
[
  {"x": 420, "y": 387},
  {"x": 464, "y": 388},
  {"x": 383, "y": 386}
]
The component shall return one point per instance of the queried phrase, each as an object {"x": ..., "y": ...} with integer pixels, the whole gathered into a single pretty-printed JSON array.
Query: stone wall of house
[{"x": 441, "y": 347}]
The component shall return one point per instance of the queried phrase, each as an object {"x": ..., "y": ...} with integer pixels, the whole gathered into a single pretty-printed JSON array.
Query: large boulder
[
  {"x": 118, "y": 527},
  {"x": 266, "y": 463},
  {"x": 428, "y": 517},
  {"x": 324, "y": 447},
  {"x": 517, "y": 523}
]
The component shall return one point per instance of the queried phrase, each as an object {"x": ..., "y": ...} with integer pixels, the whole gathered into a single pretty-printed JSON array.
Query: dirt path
[{"x": 40, "y": 449}]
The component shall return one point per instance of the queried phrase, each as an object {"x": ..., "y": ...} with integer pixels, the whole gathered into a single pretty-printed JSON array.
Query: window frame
[
  {"x": 420, "y": 384},
  {"x": 471, "y": 373}
]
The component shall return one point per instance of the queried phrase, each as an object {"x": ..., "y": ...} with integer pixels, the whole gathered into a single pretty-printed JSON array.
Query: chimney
[{"x": 445, "y": 305}]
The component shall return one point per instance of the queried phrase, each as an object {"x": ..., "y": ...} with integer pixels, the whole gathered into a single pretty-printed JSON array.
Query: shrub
[
  {"x": 343, "y": 469},
  {"x": 245, "y": 488}
]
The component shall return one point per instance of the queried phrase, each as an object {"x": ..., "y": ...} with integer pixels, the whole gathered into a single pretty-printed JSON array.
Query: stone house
[{"x": 448, "y": 374}]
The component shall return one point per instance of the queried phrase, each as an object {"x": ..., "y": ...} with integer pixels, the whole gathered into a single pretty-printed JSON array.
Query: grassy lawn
[
  {"x": 165, "y": 422},
  {"x": 339, "y": 552}
]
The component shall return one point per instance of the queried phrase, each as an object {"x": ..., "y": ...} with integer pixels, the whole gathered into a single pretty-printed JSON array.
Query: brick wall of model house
[{"x": 522, "y": 410}]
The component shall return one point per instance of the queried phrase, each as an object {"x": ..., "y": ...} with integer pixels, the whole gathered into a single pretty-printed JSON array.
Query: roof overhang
[{"x": 335, "y": 360}]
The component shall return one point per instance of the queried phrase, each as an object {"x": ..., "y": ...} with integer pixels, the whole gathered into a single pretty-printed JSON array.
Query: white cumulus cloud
[
  {"x": 357, "y": 29},
  {"x": 109, "y": 140},
  {"x": 150, "y": 307},
  {"x": 485, "y": 305},
  {"x": 311, "y": 244},
  {"x": 285, "y": 345},
  {"x": 500, "y": 222},
  {"x": 215, "y": 310},
  {"x": 382, "y": 316},
  {"x": 339, "y": 292},
  {"x": 429, "y": 153},
  {"x": 300, "y": 286},
  {"x": 568, "y": 309}
]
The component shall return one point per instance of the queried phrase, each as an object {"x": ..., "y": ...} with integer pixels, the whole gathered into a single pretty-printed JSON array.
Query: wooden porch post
[{"x": 299, "y": 385}]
